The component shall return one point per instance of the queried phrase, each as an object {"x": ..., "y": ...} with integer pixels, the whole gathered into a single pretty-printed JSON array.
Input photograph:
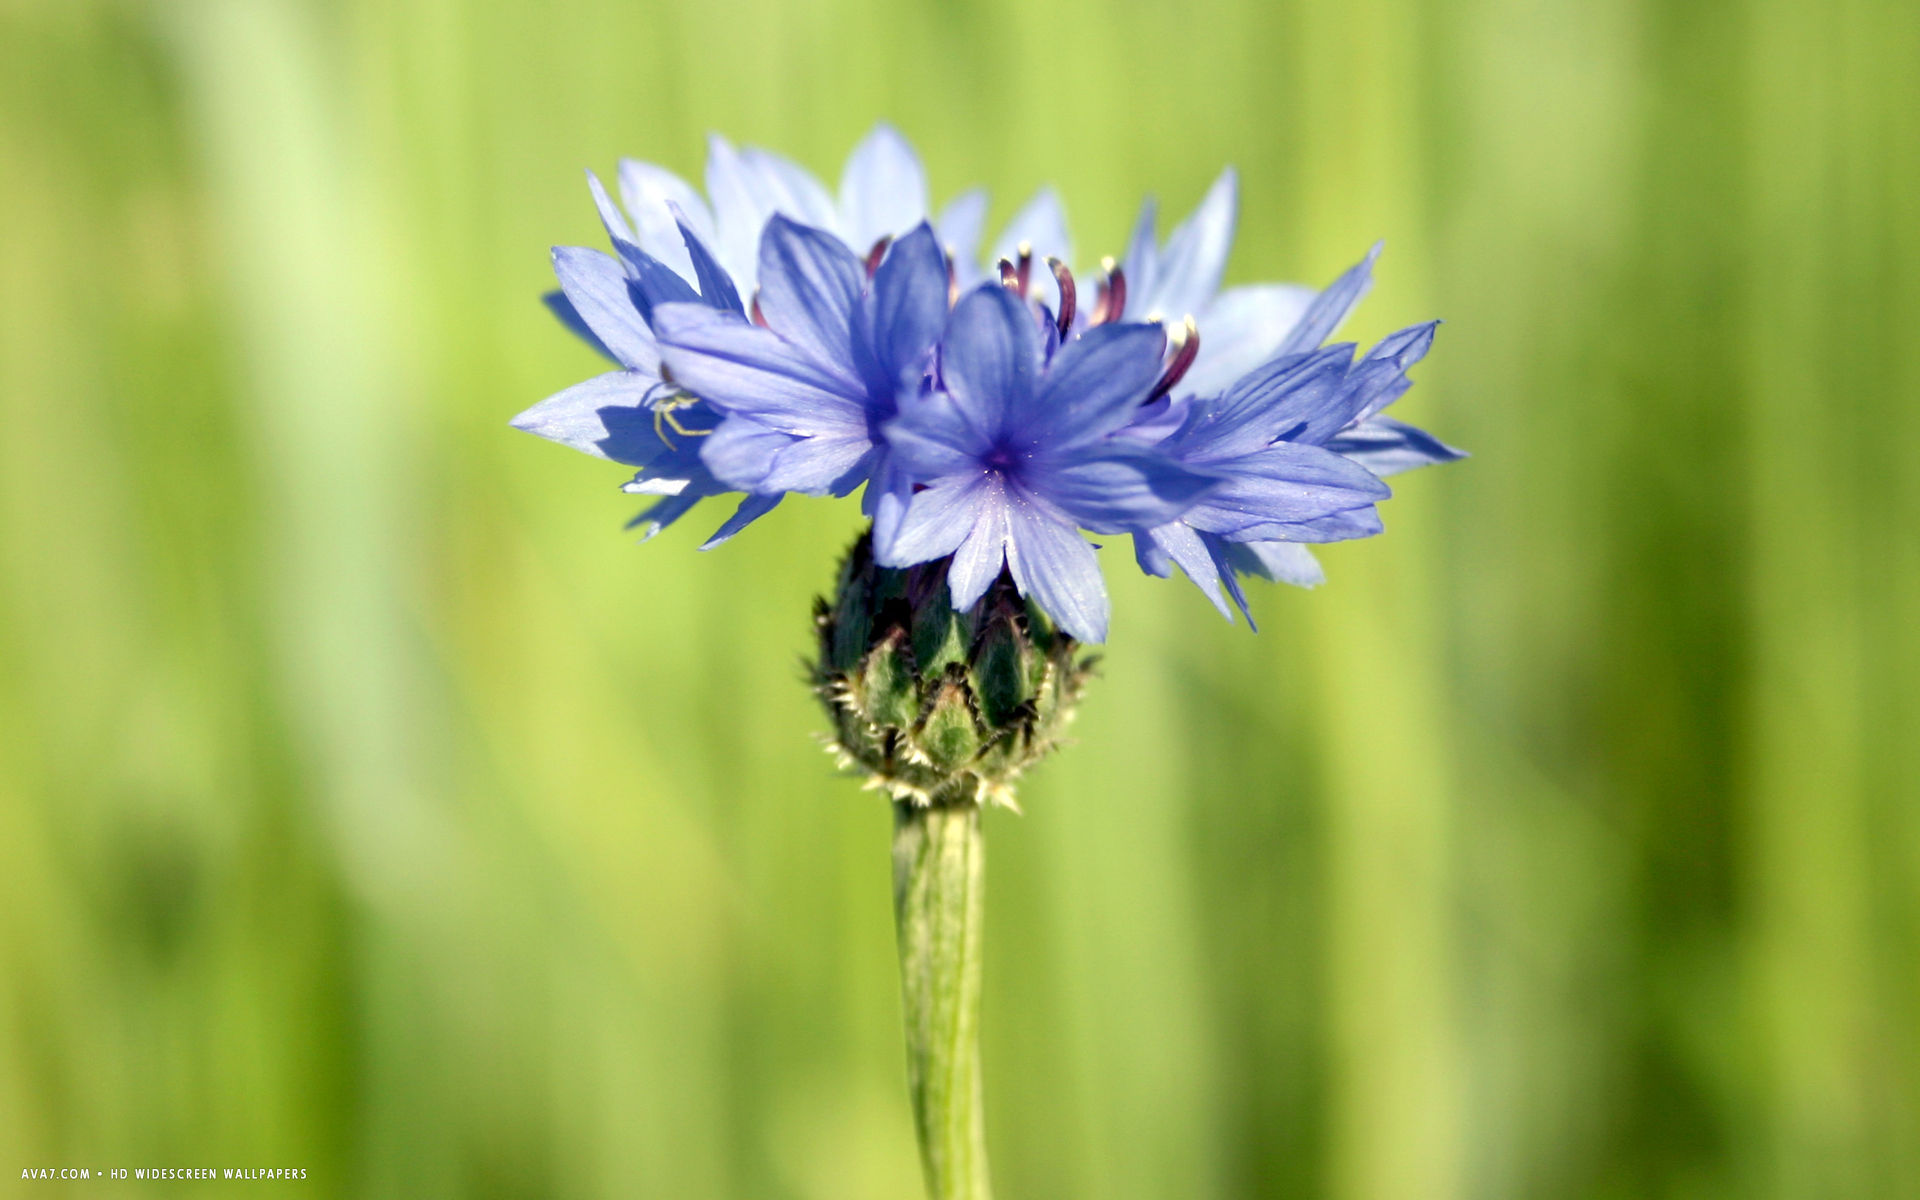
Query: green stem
[{"x": 938, "y": 872}]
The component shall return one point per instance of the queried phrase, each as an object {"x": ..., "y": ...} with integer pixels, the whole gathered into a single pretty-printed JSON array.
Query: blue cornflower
[
  {"x": 1014, "y": 452},
  {"x": 1301, "y": 445},
  {"x": 805, "y": 392}
]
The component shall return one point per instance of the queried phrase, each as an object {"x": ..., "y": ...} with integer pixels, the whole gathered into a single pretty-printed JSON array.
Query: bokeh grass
[{"x": 369, "y": 804}]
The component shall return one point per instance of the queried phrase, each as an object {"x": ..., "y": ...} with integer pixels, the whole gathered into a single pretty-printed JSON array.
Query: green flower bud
[{"x": 938, "y": 706}]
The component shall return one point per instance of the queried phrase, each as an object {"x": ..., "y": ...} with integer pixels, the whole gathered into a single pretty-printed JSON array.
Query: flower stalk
[{"x": 938, "y": 878}]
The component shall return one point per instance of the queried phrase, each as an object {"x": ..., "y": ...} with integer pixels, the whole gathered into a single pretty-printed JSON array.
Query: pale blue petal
[
  {"x": 980, "y": 555},
  {"x": 563, "y": 309},
  {"x": 716, "y": 286},
  {"x": 1387, "y": 447},
  {"x": 1179, "y": 543},
  {"x": 1278, "y": 562},
  {"x": 648, "y": 191},
  {"x": 1054, "y": 566},
  {"x": 595, "y": 285},
  {"x": 606, "y": 416},
  {"x": 961, "y": 225},
  {"x": 618, "y": 231},
  {"x": 809, "y": 285},
  {"x": 1285, "y": 484},
  {"x": 826, "y": 464},
  {"x": 1281, "y": 398},
  {"x": 1042, "y": 224},
  {"x": 740, "y": 452},
  {"x": 1242, "y": 328},
  {"x": 1334, "y": 527},
  {"x": 740, "y": 368},
  {"x": 883, "y": 191},
  {"x": 885, "y": 501},
  {"x": 1381, "y": 377},
  {"x": 1331, "y": 307},
  {"x": 789, "y": 188},
  {"x": 738, "y": 212},
  {"x": 1142, "y": 264},
  {"x": 1190, "y": 267},
  {"x": 936, "y": 521}
]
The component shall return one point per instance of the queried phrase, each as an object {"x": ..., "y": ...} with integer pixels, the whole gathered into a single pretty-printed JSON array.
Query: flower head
[{"x": 773, "y": 338}]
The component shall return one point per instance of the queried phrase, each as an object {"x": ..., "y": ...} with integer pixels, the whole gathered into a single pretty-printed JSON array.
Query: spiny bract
[{"x": 939, "y": 706}]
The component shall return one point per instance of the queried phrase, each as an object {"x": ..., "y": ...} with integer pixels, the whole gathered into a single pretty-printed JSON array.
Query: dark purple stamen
[
  {"x": 1009, "y": 277},
  {"x": 878, "y": 252},
  {"x": 1024, "y": 269},
  {"x": 1069, "y": 296},
  {"x": 1182, "y": 361},
  {"x": 1112, "y": 300}
]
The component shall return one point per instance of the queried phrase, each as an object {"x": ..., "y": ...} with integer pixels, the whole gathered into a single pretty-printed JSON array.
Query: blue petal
[
  {"x": 1285, "y": 484},
  {"x": 1277, "y": 562},
  {"x": 787, "y": 187},
  {"x": 607, "y": 416},
  {"x": 826, "y": 464},
  {"x": 885, "y": 500},
  {"x": 1189, "y": 269},
  {"x": 1387, "y": 447},
  {"x": 934, "y": 437},
  {"x": 740, "y": 452},
  {"x": 562, "y": 308},
  {"x": 1179, "y": 543},
  {"x": 903, "y": 312},
  {"x": 740, "y": 368},
  {"x": 738, "y": 211},
  {"x": 988, "y": 357},
  {"x": 664, "y": 512},
  {"x": 1094, "y": 385},
  {"x": 616, "y": 225},
  {"x": 716, "y": 286},
  {"x": 751, "y": 509},
  {"x": 1121, "y": 487},
  {"x": 1381, "y": 378},
  {"x": 649, "y": 193},
  {"x": 654, "y": 283},
  {"x": 1053, "y": 565},
  {"x": 1042, "y": 224},
  {"x": 1331, "y": 307},
  {"x": 980, "y": 555},
  {"x": 961, "y": 225},
  {"x": 1142, "y": 264},
  {"x": 748, "y": 187},
  {"x": 1334, "y": 527},
  {"x": 1241, "y": 329},
  {"x": 809, "y": 285},
  {"x": 1283, "y": 398},
  {"x": 595, "y": 286},
  {"x": 883, "y": 191},
  {"x": 936, "y": 521}
]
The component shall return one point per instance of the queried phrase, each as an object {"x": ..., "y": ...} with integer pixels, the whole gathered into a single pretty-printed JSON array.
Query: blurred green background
[{"x": 370, "y": 804}]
